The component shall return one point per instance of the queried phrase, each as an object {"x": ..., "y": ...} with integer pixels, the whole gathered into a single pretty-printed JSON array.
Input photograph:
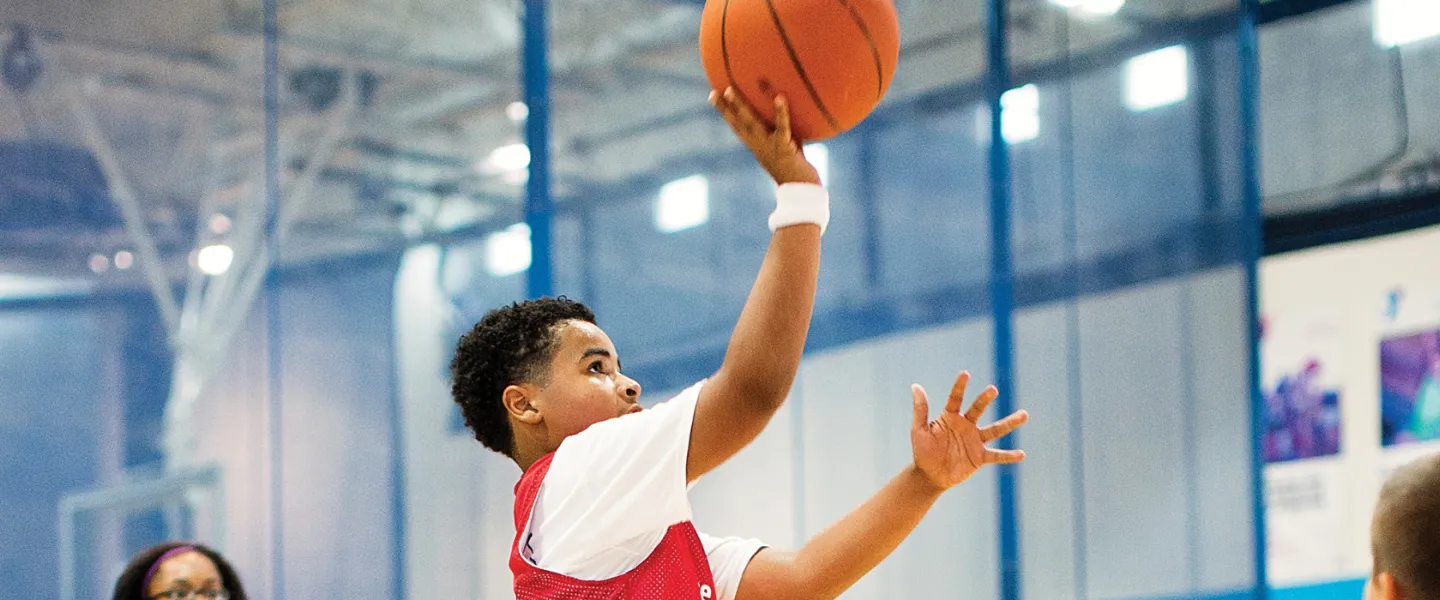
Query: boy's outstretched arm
[
  {"x": 765, "y": 348},
  {"x": 947, "y": 451}
]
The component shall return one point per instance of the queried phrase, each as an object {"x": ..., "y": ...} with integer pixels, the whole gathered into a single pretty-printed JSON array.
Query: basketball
[{"x": 832, "y": 59}]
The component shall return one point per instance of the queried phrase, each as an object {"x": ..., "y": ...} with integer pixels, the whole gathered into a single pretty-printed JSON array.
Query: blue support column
[
  {"x": 538, "y": 205},
  {"x": 1251, "y": 222},
  {"x": 1079, "y": 541},
  {"x": 1002, "y": 299},
  {"x": 399, "y": 584},
  {"x": 274, "y": 424}
]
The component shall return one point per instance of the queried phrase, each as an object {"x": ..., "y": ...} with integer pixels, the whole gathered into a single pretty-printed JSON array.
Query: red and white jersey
[
  {"x": 606, "y": 516},
  {"x": 677, "y": 568}
]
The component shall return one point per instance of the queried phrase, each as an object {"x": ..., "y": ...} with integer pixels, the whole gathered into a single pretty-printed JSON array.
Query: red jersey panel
[{"x": 676, "y": 570}]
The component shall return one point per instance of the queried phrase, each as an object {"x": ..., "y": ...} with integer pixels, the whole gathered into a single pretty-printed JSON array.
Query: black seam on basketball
[
  {"x": 724, "y": 45},
  {"x": 800, "y": 69},
  {"x": 874, "y": 51}
]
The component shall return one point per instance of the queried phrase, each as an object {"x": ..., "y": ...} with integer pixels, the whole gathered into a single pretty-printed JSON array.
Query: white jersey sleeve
[
  {"x": 728, "y": 558},
  {"x": 612, "y": 492}
]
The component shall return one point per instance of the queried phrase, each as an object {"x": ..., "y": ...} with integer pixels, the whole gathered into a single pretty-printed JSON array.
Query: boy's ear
[
  {"x": 1382, "y": 586},
  {"x": 519, "y": 402}
]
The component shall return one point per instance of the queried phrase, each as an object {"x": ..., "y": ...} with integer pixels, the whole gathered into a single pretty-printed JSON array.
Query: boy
[
  {"x": 601, "y": 509},
  {"x": 1405, "y": 535}
]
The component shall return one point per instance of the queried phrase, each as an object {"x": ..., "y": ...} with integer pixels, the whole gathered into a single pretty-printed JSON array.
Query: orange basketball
[{"x": 832, "y": 59}]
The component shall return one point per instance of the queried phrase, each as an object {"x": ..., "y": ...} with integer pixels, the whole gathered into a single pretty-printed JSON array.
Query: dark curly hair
[
  {"x": 510, "y": 345},
  {"x": 128, "y": 586}
]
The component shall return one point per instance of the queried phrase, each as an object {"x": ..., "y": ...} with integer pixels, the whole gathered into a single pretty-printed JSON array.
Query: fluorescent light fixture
[
  {"x": 507, "y": 251},
  {"x": 819, "y": 155},
  {"x": 214, "y": 260},
  {"x": 1399, "y": 22},
  {"x": 683, "y": 204},
  {"x": 510, "y": 157},
  {"x": 516, "y": 177},
  {"x": 1099, "y": 8},
  {"x": 1157, "y": 79},
  {"x": 1020, "y": 114}
]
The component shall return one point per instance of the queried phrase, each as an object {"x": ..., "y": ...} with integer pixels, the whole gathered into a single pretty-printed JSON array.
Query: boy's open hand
[
  {"x": 774, "y": 147},
  {"x": 951, "y": 448}
]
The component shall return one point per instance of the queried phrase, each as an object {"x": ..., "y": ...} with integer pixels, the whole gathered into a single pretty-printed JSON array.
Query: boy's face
[{"x": 584, "y": 386}]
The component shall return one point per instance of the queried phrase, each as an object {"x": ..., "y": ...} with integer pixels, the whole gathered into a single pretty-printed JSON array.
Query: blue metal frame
[
  {"x": 738, "y": 158},
  {"x": 1002, "y": 298},
  {"x": 538, "y": 206},
  {"x": 1079, "y": 540},
  {"x": 1251, "y": 221},
  {"x": 398, "y": 486}
]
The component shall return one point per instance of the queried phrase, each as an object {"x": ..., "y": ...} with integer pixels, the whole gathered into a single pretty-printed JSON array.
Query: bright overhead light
[
  {"x": 214, "y": 260},
  {"x": 1158, "y": 78},
  {"x": 517, "y": 111},
  {"x": 99, "y": 263},
  {"x": 1099, "y": 8},
  {"x": 516, "y": 177},
  {"x": 219, "y": 223},
  {"x": 124, "y": 260},
  {"x": 1400, "y": 22},
  {"x": 507, "y": 251},
  {"x": 510, "y": 157},
  {"x": 683, "y": 204},
  {"x": 1020, "y": 114}
]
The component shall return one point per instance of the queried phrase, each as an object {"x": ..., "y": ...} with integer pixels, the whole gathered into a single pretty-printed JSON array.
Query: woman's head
[{"x": 179, "y": 571}]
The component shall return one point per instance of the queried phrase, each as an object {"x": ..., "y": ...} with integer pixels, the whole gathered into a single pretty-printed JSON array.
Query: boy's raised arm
[{"x": 764, "y": 352}]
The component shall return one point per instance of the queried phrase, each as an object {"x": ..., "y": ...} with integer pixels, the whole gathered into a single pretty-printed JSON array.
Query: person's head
[
  {"x": 175, "y": 570},
  {"x": 1405, "y": 535},
  {"x": 531, "y": 374}
]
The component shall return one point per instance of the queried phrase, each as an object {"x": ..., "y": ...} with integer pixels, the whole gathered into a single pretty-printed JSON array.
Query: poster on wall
[
  {"x": 1350, "y": 351},
  {"x": 1410, "y": 389},
  {"x": 1303, "y": 367},
  {"x": 1409, "y": 363}
]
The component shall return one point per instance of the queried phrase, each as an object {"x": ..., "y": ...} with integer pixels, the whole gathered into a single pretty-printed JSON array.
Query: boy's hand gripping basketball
[
  {"x": 774, "y": 147},
  {"x": 951, "y": 448}
]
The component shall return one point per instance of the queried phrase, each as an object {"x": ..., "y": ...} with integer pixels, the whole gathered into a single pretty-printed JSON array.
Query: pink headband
[{"x": 145, "y": 587}]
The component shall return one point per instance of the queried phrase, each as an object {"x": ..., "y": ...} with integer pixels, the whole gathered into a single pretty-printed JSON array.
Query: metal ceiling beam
[
  {"x": 294, "y": 198},
  {"x": 150, "y": 260}
]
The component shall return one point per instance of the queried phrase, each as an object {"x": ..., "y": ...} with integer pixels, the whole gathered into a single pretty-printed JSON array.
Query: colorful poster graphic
[
  {"x": 1302, "y": 389},
  {"x": 1410, "y": 388}
]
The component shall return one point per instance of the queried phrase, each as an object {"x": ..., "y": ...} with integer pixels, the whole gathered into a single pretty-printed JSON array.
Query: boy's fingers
[
  {"x": 957, "y": 393},
  {"x": 1004, "y": 426},
  {"x": 920, "y": 406}
]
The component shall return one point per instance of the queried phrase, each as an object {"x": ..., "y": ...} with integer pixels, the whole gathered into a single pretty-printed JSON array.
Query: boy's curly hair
[{"x": 510, "y": 345}]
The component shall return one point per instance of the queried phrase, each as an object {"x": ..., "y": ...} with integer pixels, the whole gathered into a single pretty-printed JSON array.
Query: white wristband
[{"x": 799, "y": 204}]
